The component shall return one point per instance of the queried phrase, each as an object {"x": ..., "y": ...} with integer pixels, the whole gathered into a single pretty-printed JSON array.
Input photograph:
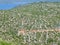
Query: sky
[
  {"x": 13, "y": 1},
  {"x": 8, "y": 4}
]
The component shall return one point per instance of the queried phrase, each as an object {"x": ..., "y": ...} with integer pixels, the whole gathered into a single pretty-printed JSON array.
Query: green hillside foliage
[{"x": 29, "y": 17}]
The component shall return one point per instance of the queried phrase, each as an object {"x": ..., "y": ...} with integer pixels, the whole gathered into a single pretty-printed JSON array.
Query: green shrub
[{"x": 2, "y": 42}]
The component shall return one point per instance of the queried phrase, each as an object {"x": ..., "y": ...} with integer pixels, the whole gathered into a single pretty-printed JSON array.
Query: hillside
[{"x": 32, "y": 16}]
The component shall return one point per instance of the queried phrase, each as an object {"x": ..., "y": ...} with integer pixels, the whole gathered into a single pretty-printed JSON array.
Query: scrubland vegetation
[{"x": 35, "y": 16}]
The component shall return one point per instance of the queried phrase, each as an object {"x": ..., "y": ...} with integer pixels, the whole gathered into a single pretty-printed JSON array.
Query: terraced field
[{"x": 35, "y": 16}]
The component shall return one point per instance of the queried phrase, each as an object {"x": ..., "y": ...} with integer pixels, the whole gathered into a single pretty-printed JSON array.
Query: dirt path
[{"x": 23, "y": 32}]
